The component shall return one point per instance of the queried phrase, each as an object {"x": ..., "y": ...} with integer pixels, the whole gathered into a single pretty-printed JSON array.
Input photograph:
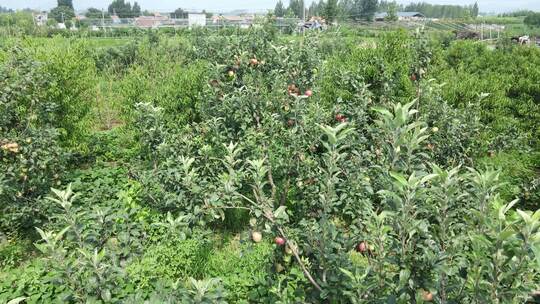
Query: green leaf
[
  {"x": 348, "y": 273},
  {"x": 281, "y": 213},
  {"x": 504, "y": 209},
  {"x": 525, "y": 216},
  {"x": 61, "y": 233},
  {"x": 106, "y": 295},
  {"x": 16, "y": 300},
  {"x": 505, "y": 234},
  {"x": 382, "y": 111},
  {"x": 399, "y": 178}
]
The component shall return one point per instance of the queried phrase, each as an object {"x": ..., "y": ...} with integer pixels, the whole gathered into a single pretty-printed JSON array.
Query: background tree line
[
  {"x": 366, "y": 9},
  {"x": 434, "y": 10}
]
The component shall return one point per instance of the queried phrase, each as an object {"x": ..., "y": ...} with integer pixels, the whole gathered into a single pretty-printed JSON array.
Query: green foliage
[
  {"x": 279, "y": 10},
  {"x": 43, "y": 106},
  {"x": 517, "y": 175},
  {"x": 17, "y": 23},
  {"x": 475, "y": 10},
  {"x": 241, "y": 267},
  {"x": 62, "y": 14},
  {"x": 296, "y": 7},
  {"x": 365, "y": 9},
  {"x": 508, "y": 107},
  {"x": 532, "y": 20},
  {"x": 124, "y": 9},
  {"x": 27, "y": 280},
  {"x": 95, "y": 13},
  {"x": 331, "y": 10},
  {"x": 177, "y": 91},
  {"x": 13, "y": 252},
  {"x": 392, "y": 12},
  {"x": 173, "y": 260},
  {"x": 374, "y": 170},
  {"x": 67, "y": 3}
]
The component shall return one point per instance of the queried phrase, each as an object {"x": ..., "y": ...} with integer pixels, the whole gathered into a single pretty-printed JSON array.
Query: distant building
[
  {"x": 196, "y": 19},
  {"x": 402, "y": 16},
  {"x": 242, "y": 21},
  {"x": 115, "y": 19},
  {"x": 151, "y": 21},
  {"x": 41, "y": 18}
]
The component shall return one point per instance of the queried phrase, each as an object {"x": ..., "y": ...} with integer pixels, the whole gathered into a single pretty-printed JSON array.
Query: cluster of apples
[
  {"x": 256, "y": 236},
  {"x": 292, "y": 89}
]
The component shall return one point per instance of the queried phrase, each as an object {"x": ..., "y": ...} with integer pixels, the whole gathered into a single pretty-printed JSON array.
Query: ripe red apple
[
  {"x": 341, "y": 118},
  {"x": 362, "y": 247},
  {"x": 256, "y": 236},
  {"x": 290, "y": 122},
  {"x": 413, "y": 77},
  {"x": 308, "y": 93},
  {"x": 279, "y": 241},
  {"x": 253, "y": 61}
]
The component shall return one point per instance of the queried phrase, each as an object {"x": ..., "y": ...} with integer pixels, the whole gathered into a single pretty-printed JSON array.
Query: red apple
[
  {"x": 427, "y": 296},
  {"x": 341, "y": 118},
  {"x": 290, "y": 122},
  {"x": 279, "y": 241},
  {"x": 362, "y": 247},
  {"x": 308, "y": 93}
]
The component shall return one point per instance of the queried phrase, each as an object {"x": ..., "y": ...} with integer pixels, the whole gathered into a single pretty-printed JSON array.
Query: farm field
[{"x": 251, "y": 166}]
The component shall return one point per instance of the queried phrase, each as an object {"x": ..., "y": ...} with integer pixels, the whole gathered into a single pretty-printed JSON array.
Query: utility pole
[
  {"x": 303, "y": 11},
  {"x": 9, "y": 24},
  {"x": 482, "y": 31},
  {"x": 303, "y": 17}
]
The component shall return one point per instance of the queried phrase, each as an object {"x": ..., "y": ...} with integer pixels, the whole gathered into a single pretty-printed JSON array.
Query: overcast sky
[{"x": 228, "y": 5}]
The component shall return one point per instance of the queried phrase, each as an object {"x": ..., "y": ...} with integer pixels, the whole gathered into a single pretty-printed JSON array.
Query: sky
[{"x": 229, "y": 5}]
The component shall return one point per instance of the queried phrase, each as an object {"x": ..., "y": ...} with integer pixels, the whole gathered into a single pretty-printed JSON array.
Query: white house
[{"x": 196, "y": 20}]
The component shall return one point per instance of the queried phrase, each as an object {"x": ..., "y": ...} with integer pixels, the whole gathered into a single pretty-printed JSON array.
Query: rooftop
[{"x": 401, "y": 14}]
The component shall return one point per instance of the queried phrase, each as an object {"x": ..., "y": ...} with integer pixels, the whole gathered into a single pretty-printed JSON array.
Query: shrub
[
  {"x": 174, "y": 260},
  {"x": 240, "y": 266},
  {"x": 43, "y": 104},
  {"x": 13, "y": 252}
]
